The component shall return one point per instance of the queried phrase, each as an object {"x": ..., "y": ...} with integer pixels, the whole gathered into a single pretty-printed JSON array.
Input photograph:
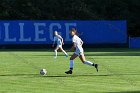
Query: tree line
[{"x": 74, "y": 10}]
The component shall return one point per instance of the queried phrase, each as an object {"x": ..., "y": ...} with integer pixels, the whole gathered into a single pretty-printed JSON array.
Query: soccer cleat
[
  {"x": 96, "y": 66},
  {"x": 69, "y": 72}
]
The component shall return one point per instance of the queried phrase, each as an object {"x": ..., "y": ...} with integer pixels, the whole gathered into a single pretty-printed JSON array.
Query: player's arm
[
  {"x": 82, "y": 42},
  {"x": 74, "y": 44},
  {"x": 73, "y": 47},
  {"x": 61, "y": 39}
]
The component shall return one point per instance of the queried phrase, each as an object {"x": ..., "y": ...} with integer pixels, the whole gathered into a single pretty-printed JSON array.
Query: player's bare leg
[
  {"x": 82, "y": 58},
  {"x": 63, "y": 51},
  {"x": 56, "y": 49},
  {"x": 71, "y": 63}
]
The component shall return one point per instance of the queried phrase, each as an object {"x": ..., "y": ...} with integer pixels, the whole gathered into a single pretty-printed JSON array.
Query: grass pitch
[{"x": 119, "y": 72}]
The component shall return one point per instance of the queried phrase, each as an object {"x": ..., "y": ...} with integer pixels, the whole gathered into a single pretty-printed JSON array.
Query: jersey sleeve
[{"x": 73, "y": 39}]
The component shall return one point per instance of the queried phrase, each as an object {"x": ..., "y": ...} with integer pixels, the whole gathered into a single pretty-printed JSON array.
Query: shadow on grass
[
  {"x": 100, "y": 54},
  {"x": 73, "y": 75},
  {"x": 37, "y": 75},
  {"x": 89, "y": 75},
  {"x": 5, "y": 75},
  {"x": 85, "y": 49},
  {"x": 96, "y": 51}
]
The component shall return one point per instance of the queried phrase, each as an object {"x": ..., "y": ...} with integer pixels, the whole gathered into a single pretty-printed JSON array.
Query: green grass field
[{"x": 119, "y": 72}]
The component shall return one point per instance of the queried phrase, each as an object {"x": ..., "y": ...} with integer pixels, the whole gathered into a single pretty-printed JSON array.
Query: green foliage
[{"x": 74, "y": 10}]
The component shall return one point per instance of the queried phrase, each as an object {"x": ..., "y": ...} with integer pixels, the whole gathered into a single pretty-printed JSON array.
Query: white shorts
[
  {"x": 79, "y": 52},
  {"x": 59, "y": 45}
]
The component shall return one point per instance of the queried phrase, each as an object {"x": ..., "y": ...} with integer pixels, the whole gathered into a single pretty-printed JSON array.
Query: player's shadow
[
  {"x": 88, "y": 75},
  {"x": 55, "y": 76},
  {"x": 47, "y": 76},
  {"x": 59, "y": 76}
]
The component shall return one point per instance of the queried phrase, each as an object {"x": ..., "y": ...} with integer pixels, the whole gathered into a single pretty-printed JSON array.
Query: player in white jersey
[
  {"x": 59, "y": 41},
  {"x": 77, "y": 43}
]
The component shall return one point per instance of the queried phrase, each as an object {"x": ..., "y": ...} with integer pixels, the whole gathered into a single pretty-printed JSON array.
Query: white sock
[
  {"x": 88, "y": 63},
  {"x": 71, "y": 64},
  {"x": 55, "y": 53}
]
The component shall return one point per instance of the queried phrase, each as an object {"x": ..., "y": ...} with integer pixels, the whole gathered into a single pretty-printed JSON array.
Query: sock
[
  {"x": 55, "y": 53},
  {"x": 89, "y": 63},
  {"x": 71, "y": 64}
]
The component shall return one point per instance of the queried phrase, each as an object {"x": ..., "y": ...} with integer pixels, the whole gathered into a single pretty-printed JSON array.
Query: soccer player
[
  {"x": 77, "y": 43},
  {"x": 59, "y": 40}
]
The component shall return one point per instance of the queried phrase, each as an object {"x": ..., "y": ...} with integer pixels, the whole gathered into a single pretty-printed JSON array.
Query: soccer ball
[{"x": 43, "y": 71}]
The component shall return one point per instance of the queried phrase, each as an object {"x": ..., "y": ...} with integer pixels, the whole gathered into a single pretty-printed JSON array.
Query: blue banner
[
  {"x": 134, "y": 42},
  {"x": 41, "y": 32}
]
